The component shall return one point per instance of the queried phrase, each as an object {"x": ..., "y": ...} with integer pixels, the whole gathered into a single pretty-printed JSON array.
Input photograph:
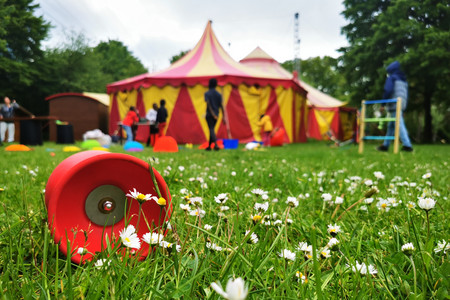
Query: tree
[
  {"x": 21, "y": 34},
  {"x": 178, "y": 56},
  {"x": 322, "y": 73},
  {"x": 415, "y": 32},
  {"x": 116, "y": 61}
]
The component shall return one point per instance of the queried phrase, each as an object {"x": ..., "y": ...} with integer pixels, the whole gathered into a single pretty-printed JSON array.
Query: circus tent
[
  {"x": 247, "y": 93},
  {"x": 325, "y": 113}
]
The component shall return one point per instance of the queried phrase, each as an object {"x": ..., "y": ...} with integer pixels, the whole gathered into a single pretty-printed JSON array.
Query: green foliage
[
  {"x": 178, "y": 56},
  {"x": 33, "y": 267},
  {"x": 322, "y": 73},
  {"x": 417, "y": 33}
]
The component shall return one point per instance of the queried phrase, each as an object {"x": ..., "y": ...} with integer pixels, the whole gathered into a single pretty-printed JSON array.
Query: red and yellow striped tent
[
  {"x": 325, "y": 113},
  {"x": 247, "y": 93}
]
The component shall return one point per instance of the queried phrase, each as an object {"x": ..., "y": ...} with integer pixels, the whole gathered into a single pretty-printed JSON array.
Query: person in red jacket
[{"x": 130, "y": 119}]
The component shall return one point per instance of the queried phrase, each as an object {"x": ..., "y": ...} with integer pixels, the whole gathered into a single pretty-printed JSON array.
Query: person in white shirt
[{"x": 151, "y": 116}]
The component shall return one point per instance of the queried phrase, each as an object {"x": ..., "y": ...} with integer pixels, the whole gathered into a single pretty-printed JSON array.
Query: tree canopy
[{"x": 414, "y": 32}]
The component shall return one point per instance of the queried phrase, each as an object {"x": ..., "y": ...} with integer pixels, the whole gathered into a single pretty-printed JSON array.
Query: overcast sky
[{"x": 155, "y": 30}]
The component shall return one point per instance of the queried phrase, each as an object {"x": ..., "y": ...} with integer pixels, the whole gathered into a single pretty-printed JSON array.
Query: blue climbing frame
[{"x": 364, "y": 120}]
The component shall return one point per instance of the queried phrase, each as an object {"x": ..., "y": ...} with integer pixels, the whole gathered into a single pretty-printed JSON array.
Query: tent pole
[{"x": 361, "y": 128}]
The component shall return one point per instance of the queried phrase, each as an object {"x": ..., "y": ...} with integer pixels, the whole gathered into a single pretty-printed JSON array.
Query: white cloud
[{"x": 156, "y": 30}]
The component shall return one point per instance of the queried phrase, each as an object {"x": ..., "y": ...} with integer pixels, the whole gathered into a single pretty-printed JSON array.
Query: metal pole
[
  {"x": 398, "y": 112},
  {"x": 361, "y": 126}
]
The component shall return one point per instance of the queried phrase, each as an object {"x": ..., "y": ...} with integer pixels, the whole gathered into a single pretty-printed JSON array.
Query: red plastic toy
[{"x": 86, "y": 194}]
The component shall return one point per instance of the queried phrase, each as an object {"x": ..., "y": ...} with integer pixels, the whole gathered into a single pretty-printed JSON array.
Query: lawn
[{"x": 272, "y": 217}]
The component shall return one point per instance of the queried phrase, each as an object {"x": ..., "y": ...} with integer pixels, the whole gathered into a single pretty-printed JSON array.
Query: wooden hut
[{"x": 84, "y": 111}]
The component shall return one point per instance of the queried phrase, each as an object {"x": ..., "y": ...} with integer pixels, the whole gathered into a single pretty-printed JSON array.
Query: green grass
[{"x": 33, "y": 267}]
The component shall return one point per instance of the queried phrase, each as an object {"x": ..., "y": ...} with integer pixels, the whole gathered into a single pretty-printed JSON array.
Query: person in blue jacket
[{"x": 394, "y": 87}]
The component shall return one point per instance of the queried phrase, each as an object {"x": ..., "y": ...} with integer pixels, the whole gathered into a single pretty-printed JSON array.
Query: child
[
  {"x": 130, "y": 119},
  {"x": 266, "y": 128}
]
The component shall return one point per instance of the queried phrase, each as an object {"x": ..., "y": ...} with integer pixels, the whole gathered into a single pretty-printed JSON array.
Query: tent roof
[
  {"x": 259, "y": 59},
  {"x": 206, "y": 60},
  {"x": 102, "y": 98}
]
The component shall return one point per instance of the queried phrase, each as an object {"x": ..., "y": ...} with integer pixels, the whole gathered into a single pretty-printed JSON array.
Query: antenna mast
[{"x": 296, "y": 44}]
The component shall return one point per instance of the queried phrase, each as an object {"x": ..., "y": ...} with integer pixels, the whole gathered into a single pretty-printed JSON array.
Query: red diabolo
[{"x": 86, "y": 200}]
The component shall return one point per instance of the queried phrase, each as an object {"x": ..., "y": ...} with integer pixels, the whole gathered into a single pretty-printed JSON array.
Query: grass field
[{"x": 300, "y": 190}]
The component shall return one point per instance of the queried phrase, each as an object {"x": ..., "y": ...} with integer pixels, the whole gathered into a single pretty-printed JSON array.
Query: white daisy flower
[
  {"x": 181, "y": 168},
  {"x": 207, "y": 227},
  {"x": 197, "y": 201},
  {"x": 383, "y": 205},
  {"x": 259, "y": 192},
  {"x": 333, "y": 244},
  {"x": 292, "y": 201},
  {"x": 81, "y": 251},
  {"x": 287, "y": 254},
  {"x": 253, "y": 237},
  {"x": 327, "y": 197},
  {"x": 301, "y": 277},
  {"x": 426, "y": 203},
  {"x": 129, "y": 237},
  {"x": 442, "y": 246},
  {"x": 426, "y": 175},
  {"x": 334, "y": 229},
  {"x": 152, "y": 238},
  {"x": 141, "y": 198},
  {"x": 379, "y": 175},
  {"x": 235, "y": 290},
  {"x": 325, "y": 253},
  {"x": 339, "y": 200},
  {"x": 262, "y": 207},
  {"x": 233, "y": 173},
  {"x": 221, "y": 198},
  {"x": 197, "y": 213},
  {"x": 363, "y": 269},
  {"x": 102, "y": 262},
  {"x": 185, "y": 207},
  {"x": 213, "y": 246},
  {"x": 408, "y": 248},
  {"x": 368, "y": 182},
  {"x": 303, "y": 246}
]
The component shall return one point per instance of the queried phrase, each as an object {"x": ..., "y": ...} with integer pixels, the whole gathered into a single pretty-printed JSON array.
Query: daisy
[
  {"x": 259, "y": 192},
  {"x": 379, "y": 175},
  {"x": 411, "y": 204},
  {"x": 256, "y": 218},
  {"x": 82, "y": 251},
  {"x": 235, "y": 290},
  {"x": 325, "y": 253},
  {"x": 287, "y": 254},
  {"x": 426, "y": 175},
  {"x": 408, "y": 249},
  {"x": 339, "y": 200},
  {"x": 141, "y": 198},
  {"x": 368, "y": 182},
  {"x": 130, "y": 238},
  {"x": 303, "y": 246},
  {"x": 213, "y": 246},
  {"x": 333, "y": 244},
  {"x": 181, "y": 168},
  {"x": 233, "y": 173},
  {"x": 207, "y": 227},
  {"x": 161, "y": 201},
  {"x": 327, "y": 197},
  {"x": 197, "y": 201},
  {"x": 221, "y": 198},
  {"x": 301, "y": 277},
  {"x": 101, "y": 262},
  {"x": 152, "y": 238},
  {"x": 292, "y": 201},
  {"x": 426, "y": 203},
  {"x": 253, "y": 237},
  {"x": 442, "y": 246},
  {"x": 185, "y": 207},
  {"x": 334, "y": 229},
  {"x": 383, "y": 205},
  {"x": 261, "y": 207},
  {"x": 197, "y": 213}
]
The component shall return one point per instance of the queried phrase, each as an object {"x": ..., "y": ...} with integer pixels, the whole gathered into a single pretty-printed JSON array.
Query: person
[
  {"x": 161, "y": 117},
  {"x": 130, "y": 119},
  {"x": 394, "y": 87},
  {"x": 266, "y": 127},
  {"x": 213, "y": 104},
  {"x": 7, "y": 111},
  {"x": 151, "y": 116}
]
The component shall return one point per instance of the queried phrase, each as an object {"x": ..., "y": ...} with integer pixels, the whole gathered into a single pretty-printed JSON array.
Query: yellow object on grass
[{"x": 71, "y": 149}]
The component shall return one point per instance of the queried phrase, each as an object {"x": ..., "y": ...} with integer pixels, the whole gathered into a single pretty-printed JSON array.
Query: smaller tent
[
  {"x": 326, "y": 115},
  {"x": 85, "y": 111}
]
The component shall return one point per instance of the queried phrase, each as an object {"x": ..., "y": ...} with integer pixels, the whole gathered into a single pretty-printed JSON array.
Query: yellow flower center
[
  {"x": 257, "y": 218},
  {"x": 127, "y": 239},
  {"x": 384, "y": 205},
  {"x": 332, "y": 230},
  {"x": 162, "y": 201},
  {"x": 140, "y": 197}
]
